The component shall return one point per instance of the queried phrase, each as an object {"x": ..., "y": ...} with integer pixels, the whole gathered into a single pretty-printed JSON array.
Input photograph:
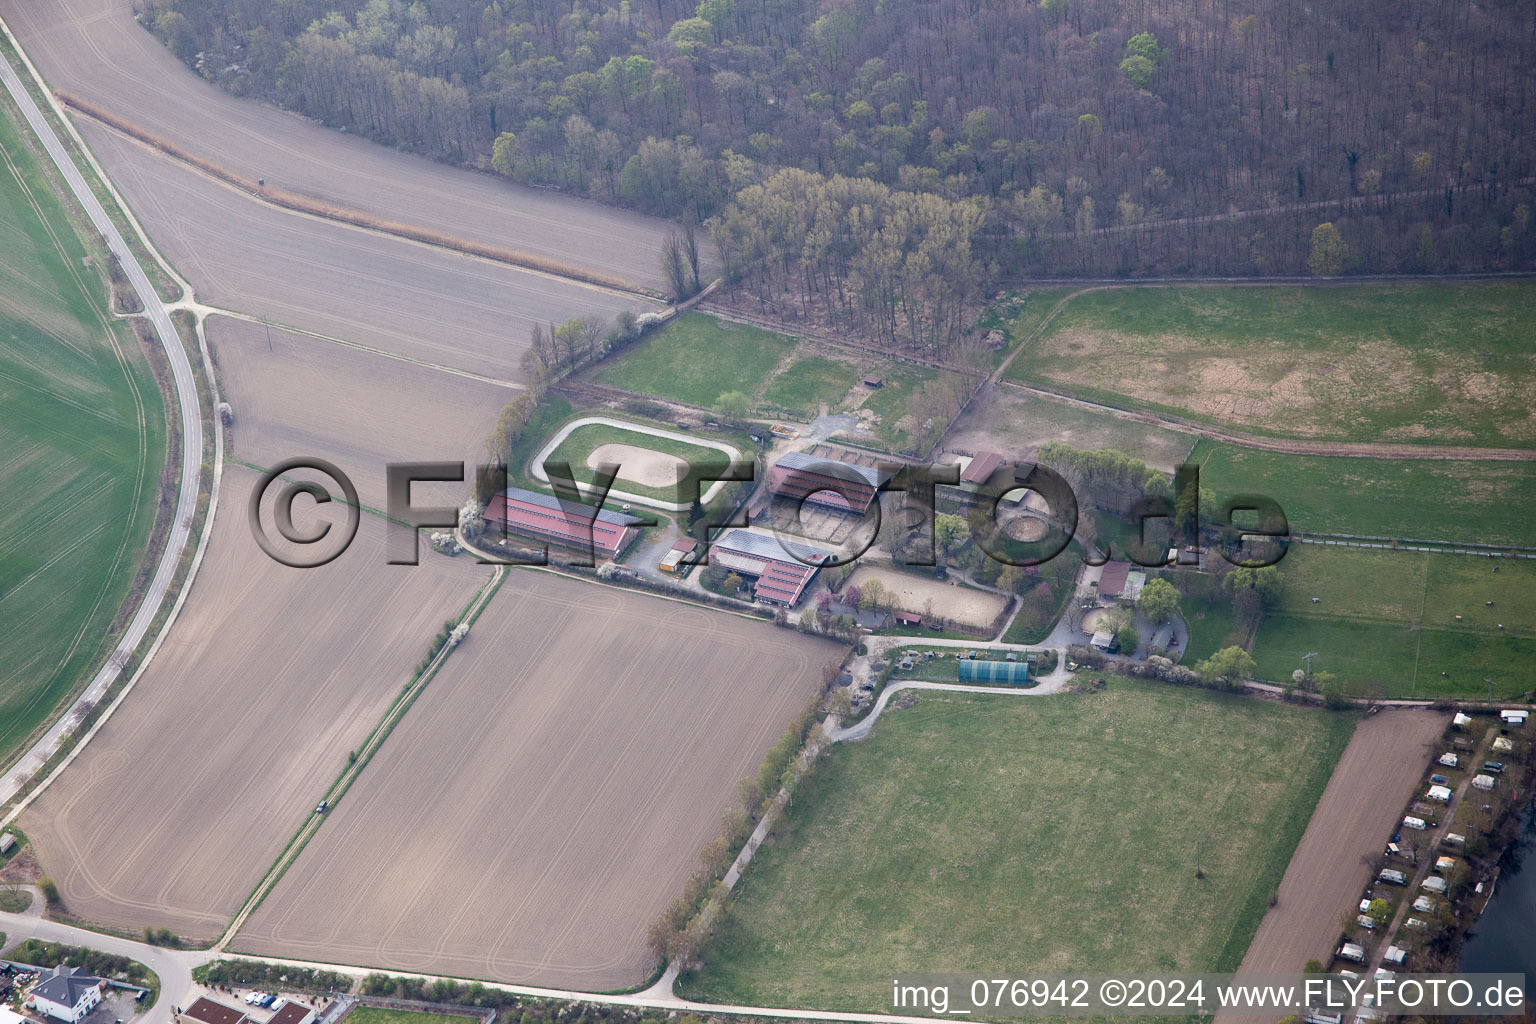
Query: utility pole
[
  {"x": 1490, "y": 688},
  {"x": 1198, "y": 844}
]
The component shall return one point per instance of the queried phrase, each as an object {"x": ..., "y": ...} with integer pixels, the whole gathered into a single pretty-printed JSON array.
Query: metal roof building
[
  {"x": 781, "y": 575},
  {"x": 546, "y": 517},
  {"x": 1013, "y": 673},
  {"x": 831, "y": 483}
]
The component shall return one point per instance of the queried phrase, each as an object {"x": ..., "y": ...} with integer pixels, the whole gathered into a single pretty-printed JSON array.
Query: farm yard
[
  {"x": 270, "y": 676},
  {"x": 82, "y": 429},
  {"x": 973, "y": 833},
  {"x": 929, "y": 597},
  {"x": 560, "y": 777},
  {"x": 1379, "y": 770},
  {"x": 1386, "y": 622},
  {"x": 132, "y": 75},
  {"x": 1453, "y": 364},
  {"x": 1470, "y": 502}
]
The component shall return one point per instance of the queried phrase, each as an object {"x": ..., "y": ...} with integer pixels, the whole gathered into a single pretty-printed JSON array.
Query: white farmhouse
[{"x": 65, "y": 993}]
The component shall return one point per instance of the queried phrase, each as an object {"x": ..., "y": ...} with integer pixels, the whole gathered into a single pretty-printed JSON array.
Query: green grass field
[
  {"x": 895, "y": 400},
  {"x": 697, "y": 358},
  {"x": 1423, "y": 499},
  {"x": 1386, "y": 622},
  {"x": 589, "y": 437},
  {"x": 1413, "y": 363},
  {"x": 1211, "y": 627},
  {"x": 82, "y": 442},
  {"x": 809, "y": 382},
  {"x": 1003, "y": 833},
  {"x": 381, "y": 1015}
]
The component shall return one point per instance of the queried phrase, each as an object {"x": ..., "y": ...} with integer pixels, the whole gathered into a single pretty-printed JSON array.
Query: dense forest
[{"x": 1066, "y": 137}]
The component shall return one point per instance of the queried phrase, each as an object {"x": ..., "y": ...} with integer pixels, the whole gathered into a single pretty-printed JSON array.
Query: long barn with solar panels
[{"x": 780, "y": 576}]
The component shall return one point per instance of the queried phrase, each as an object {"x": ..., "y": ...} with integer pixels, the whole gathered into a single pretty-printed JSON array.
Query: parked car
[
  {"x": 1438, "y": 780},
  {"x": 1493, "y": 767}
]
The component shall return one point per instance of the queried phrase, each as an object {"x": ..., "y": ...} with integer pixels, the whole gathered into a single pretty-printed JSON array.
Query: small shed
[
  {"x": 7, "y": 843},
  {"x": 1482, "y": 782},
  {"x": 1104, "y": 640},
  {"x": 907, "y": 618},
  {"x": 871, "y": 381},
  {"x": 1435, "y": 884},
  {"x": 1439, "y": 794},
  {"x": 1395, "y": 955}
]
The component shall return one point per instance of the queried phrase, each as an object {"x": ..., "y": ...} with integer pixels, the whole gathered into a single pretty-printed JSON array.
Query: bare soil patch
[
  {"x": 643, "y": 466},
  {"x": 949, "y": 600},
  {"x": 343, "y": 282},
  {"x": 548, "y": 793},
  {"x": 1354, "y": 819},
  {"x": 271, "y": 675}
]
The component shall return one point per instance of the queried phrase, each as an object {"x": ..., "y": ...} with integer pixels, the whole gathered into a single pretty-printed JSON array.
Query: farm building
[
  {"x": 672, "y": 562},
  {"x": 1103, "y": 640},
  {"x": 65, "y": 993},
  {"x": 210, "y": 1011},
  {"x": 1112, "y": 581},
  {"x": 1135, "y": 580},
  {"x": 565, "y": 523},
  {"x": 7, "y": 843},
  {"x": 830, "y": 483},
  {"x": 292, "y": 1013},
  {"x": 1014, "y": 673},
  {"x": 904, "y": 618},
  {"x": 872, "y": 381},
  {"x": 781, "y": 576},
  {"x": 980, "y": 468}
]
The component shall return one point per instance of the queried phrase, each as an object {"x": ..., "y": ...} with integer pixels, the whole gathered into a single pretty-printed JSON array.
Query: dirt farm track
[
  {"x": 549, "y": 792},
  {"x": 1381, "y": 766},
  {"x": 94, "y": 48}
]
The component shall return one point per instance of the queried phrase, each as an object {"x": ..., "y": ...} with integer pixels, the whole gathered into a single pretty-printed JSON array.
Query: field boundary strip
[{"x": 299, "y": 203}]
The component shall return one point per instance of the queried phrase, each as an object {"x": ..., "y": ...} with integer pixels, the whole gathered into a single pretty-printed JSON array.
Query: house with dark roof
[
  {"x": 780, "y": 576},
  {"x": 830, "y": 483},
  {"x": 981, "y": 467},
  {"x": 295, "y": 1013},
  {"x": 208, "y": 1011},
  {"x": 567, "y": 524},
  {"x": 1112, "y": 580},
  {"x": 65, "y": 993}
]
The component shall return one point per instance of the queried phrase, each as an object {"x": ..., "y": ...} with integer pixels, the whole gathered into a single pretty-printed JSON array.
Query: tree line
[{"x": 1082, "y": 126}]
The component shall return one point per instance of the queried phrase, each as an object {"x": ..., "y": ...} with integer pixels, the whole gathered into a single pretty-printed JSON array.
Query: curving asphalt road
[{"x": 13, "y": 780}]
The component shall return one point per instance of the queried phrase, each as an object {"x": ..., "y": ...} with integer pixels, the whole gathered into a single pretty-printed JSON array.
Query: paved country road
[{"x": 191, "y": 441}]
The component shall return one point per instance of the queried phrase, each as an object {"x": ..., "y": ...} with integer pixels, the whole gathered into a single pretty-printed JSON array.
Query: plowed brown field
[{"x": 548, "y": 794}]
